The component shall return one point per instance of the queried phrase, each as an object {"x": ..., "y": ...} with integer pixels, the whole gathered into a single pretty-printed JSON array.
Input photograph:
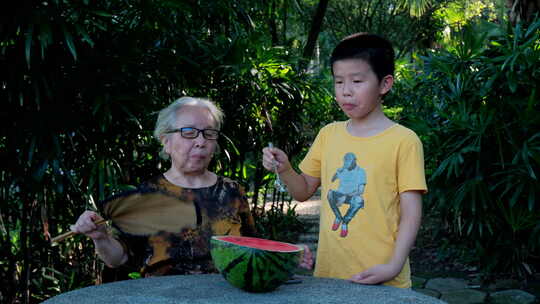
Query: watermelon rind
[{"x": 252, "y": 269}]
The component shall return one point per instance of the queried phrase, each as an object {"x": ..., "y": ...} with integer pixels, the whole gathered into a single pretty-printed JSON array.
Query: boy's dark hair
[{"x": 375, "y": 50}]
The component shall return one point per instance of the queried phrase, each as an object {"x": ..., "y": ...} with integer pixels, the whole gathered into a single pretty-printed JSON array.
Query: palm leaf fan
[{"x": 146, "y": 211}]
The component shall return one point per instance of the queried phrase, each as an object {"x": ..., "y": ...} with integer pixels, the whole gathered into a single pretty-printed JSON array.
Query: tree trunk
[
  {"x": 314, "y": 33},
  {"x": 522, "y": 10},
  {"x": 25, "y": 250},
  {"x": 273, "y": 26}
]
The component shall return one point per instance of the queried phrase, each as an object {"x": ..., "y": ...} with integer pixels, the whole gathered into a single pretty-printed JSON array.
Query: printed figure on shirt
[{"x": 351, "y": 187}]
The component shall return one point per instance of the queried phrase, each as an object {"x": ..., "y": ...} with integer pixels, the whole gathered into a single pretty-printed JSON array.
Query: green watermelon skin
[{"x": 252, "y": 269}]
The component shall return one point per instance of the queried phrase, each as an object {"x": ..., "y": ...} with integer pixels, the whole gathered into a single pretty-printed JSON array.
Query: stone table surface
[{"x": 212, "y": 288}]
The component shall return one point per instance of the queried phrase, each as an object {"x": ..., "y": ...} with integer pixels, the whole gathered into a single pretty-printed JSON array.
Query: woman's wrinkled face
[{"x": 191, "y": 156}]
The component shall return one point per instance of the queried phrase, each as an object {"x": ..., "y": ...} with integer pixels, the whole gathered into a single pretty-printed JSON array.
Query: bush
[
  {"x": 475, "y": 106},
  {"x": 280, "y": 222}
]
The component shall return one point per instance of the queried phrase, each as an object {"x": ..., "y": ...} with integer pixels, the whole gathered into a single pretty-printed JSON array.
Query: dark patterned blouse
[{"x": 221, "y": 209}]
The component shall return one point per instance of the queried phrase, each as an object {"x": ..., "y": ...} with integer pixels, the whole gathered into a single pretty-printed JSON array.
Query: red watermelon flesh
[
  {"x": 255, "y": 264},
  {"x": 260, "y": 243}
]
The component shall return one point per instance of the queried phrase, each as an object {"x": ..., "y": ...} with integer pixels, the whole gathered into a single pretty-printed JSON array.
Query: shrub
[{"x": 476, "y": 106}]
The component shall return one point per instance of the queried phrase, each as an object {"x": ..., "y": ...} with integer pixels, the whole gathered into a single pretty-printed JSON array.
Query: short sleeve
[
  {"x": 411, "y": 174},
  {"x": 311, "y": 164}
]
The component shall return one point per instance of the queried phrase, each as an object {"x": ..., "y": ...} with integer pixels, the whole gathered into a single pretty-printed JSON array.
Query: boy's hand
[
  {"x": 307, "y": 259},
  {"x": 275, "y": 156},
  {"x": 376, "y": 274}
]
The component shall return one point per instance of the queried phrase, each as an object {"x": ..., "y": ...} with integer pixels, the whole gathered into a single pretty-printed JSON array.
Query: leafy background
[{"x": 81, "y": 83}]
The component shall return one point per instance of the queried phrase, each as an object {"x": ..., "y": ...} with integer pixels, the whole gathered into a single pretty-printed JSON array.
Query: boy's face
[{"x": 357, "y": 89}]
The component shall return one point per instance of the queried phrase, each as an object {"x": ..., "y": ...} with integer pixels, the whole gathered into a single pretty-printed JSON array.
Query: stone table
[{"x": 212, "y": 288}]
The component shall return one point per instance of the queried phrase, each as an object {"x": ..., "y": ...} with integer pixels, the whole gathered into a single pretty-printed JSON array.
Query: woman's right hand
[
  {"x": 108, "y": 248},
  {"x": 86, "y": 225},
  {"x": 275, "y": 156},
  {"x": 307, "y": 258}
]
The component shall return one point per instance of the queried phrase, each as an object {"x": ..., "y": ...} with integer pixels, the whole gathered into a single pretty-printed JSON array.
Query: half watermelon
[{"x": 255, "y": 264}]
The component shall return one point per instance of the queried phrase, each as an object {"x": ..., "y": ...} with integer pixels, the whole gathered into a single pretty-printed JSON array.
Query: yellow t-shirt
[{"x": 366, "y": 175}]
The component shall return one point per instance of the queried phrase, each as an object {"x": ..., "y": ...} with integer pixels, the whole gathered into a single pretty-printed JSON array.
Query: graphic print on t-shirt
[{"x": 352, "y": 180}]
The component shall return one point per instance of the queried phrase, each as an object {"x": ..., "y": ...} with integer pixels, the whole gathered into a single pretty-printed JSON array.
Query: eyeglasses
[{"x": 191, "y": 133}]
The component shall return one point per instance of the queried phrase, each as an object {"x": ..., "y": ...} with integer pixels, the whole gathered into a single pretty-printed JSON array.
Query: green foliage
[
  {"x": 81, "y": 84},
  {"x": 280, "y": 222},
  {"x": 475, "y": 105},
  {"x": 409, "y": 24},
  {"x": 460, "y": 13},
  {"x": 135, "y": 275}
]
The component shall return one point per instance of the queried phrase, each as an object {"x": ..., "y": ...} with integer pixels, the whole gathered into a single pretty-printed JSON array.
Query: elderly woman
[{"x": 188, "y": 129}]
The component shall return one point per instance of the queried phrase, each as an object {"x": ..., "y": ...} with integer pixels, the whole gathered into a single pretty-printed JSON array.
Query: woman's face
[{"x": 191, "y": 156}]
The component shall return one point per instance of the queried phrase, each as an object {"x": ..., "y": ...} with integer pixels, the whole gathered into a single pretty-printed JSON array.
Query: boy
[{"x": 371, "y": 170}]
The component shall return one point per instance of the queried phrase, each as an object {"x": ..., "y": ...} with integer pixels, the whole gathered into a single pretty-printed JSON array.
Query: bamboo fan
[{"x": 146, "y": 212}]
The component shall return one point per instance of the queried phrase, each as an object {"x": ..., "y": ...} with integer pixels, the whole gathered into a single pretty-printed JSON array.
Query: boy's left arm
[{"x": 411, "y": 215}]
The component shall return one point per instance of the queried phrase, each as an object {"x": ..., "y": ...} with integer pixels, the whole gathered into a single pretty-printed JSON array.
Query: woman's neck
[{"x": 201, "y": 180}]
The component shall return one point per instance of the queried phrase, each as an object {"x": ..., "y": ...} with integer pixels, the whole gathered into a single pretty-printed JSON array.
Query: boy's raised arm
[{"x": 301, "y": 186}]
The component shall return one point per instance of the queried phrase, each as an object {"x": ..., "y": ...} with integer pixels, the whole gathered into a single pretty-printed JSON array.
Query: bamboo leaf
[
  {"x": 531, "y": 199},
  {"x": 31, "y": 150},
  {"x": 518, "y": 190},
  {"x": 28, "y": 44},
  {"x": 69, "y": 42}
]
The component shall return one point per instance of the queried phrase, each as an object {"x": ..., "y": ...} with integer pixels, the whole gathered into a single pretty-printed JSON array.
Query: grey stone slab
[
  {"x": 512, "y": 296},
  {"x": 504, "y": 284},
  {"x": 446, "y": 284},
  {"x": 309, "y": 238},
  {"x": 464, "y": 296},
  {"x": 314, "y": 229},
  {"x": 205, "y": 289},
  {"x": 428, "y": 292}
]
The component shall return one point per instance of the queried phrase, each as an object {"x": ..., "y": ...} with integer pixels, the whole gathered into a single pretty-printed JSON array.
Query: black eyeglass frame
[{"x": 183, "y": 131}]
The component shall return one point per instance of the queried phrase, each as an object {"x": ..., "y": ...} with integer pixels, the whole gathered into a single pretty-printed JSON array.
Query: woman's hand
[
  {"x": 108, "y": 248},
  {"x": 86, "y": 225},
  {"x": 307, "y": 259}
]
